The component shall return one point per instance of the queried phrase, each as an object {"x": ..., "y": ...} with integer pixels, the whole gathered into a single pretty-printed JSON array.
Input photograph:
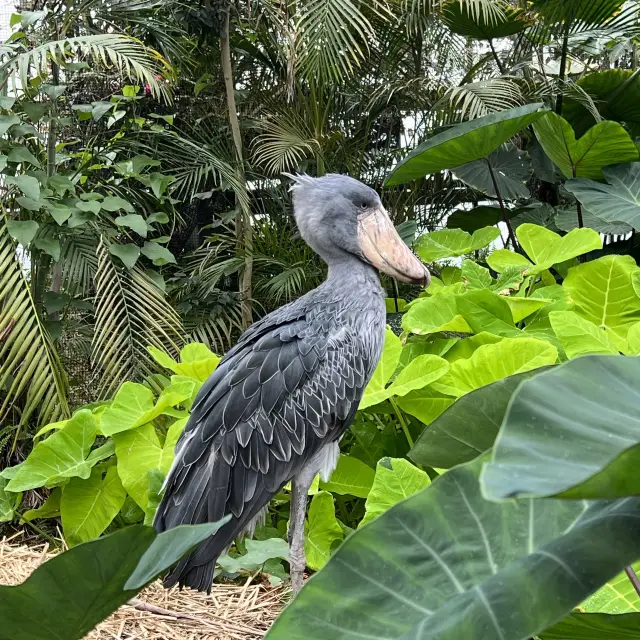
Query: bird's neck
[{"x": 349, "y": 271}]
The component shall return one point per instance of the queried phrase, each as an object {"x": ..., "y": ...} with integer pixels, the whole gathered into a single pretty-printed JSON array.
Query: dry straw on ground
[{"x": 231, "y": 612}]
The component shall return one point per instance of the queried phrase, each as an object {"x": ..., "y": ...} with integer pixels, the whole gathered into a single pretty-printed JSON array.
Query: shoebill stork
[{"x": 275, "y": 408}]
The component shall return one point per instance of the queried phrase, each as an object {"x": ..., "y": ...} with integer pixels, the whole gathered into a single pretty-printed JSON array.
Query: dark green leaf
[
  {"x": 113, "y": 203},
  {"x": 55, "y": 302},
  {"x": 59, "y": 212},
  {"x": 566, "y": 219},
  {"x": 573, "y": 431},
  {"x": 29, "y": 186},
  {"x": 49, "y": 244},
  {"x": 22, "y": 231},
  {"x": 157, "y": 254},
  {"x": 22, "y": 154},
  {"x": 7, "y": 121},
  {"x": 618, "y": 201},
  {"x": 135, "y": 222},
  {"x": 468, "y": 427},
  {"x": 34, "y": 110},
  {"x": 460, "y": 19},
  {"x": 128, "y": 253},
  {"x": 464, "y": 143},
  {"x": 408, "y": 573},
  {"x": 511, "y": 169},
  {"x": 595, "y": 626},
  {"x": 53, "y": 91},
  {"x": 477, "y": 218}
]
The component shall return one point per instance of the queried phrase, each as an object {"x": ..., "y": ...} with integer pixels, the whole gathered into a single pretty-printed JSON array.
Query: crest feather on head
[{"x": 299, "y": 179}]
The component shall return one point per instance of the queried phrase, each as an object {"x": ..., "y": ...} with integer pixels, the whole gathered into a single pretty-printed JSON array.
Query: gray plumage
[{"x": 288, "y": 389}]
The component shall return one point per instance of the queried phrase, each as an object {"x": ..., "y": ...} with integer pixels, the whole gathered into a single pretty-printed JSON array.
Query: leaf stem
[
  {"x": 403, "y": 422},
  {"x": 505, "y": 217},
  {"x": 633, "y": 578},
  {"x": 495, "y": 56}
]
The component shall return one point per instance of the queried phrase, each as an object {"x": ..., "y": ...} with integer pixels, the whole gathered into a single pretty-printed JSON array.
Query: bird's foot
[{"x": 298, "y": 564}]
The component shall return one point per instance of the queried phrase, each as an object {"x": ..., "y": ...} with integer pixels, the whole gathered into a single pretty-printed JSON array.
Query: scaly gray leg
[{"x": 299, "y": 490}]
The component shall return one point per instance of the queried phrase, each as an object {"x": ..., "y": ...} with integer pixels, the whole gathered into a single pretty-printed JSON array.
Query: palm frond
[
  {"x": 332, "y": 38},
  {"x": 480, "y": 98},
  {"x": 79, "y": 263},
  {"x": 417, "y": 11},
  {"x": 131, "y": 314},
  {"x": 286, "y": 141},
  {"x": 31, "y": 374},
  {"x": 126, "y": 54}
]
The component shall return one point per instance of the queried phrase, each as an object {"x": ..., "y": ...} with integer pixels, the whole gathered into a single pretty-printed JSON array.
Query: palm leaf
[
  {"x": 131, "y": 314},
  {"x": 417, "y": 11},
  {"x": 31, "y": 375},
  {"x": 129, "y": 56},
  {"x": 79, "y": 263}
]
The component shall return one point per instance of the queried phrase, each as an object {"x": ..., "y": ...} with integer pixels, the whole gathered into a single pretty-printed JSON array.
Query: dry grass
[{"x": 231, "y": 612}]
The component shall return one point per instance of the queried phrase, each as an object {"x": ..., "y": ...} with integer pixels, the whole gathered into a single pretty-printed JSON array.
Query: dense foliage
[{"x": 486, "y": 487}]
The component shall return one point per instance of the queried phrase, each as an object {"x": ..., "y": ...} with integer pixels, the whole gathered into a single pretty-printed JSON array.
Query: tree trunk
[{"x": 244, "y": 230}]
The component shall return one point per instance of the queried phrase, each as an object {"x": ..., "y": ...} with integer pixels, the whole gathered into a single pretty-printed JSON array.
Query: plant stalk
[
  {"x": 633, "y": 578},
  {"x": 563, "y": 64},
  {"x": 505, "y": 217},
  {"x": 403, "y": 422},
  {"x": 495, "y": 57},
  {"x": 244, "y": 230}
]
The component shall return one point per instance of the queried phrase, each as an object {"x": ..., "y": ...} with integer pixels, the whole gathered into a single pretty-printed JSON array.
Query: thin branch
[
  {"x": 563, "y": 64},
  {"x": 633, "y": 578},
  {"x": 495, "y": 56},
  {"x": 505, "y": 217}
]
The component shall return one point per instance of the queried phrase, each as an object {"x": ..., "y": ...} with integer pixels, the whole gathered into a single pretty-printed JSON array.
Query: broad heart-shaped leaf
[
  {"x": 503, "y": 260},
  {"x": 9, "y": 501},
  {"x": 386, "y": 367},
  {"x": 8, "y": 121},
  {"x": 604, "y": 144},
  {"x": 139, "y": 452},
  {"x": 511, "y": 169},
  {"x": 395, "y": 480},
  {"x": 323, "y": 531},
  {"x": 468, "y": 427},
  {"x": 603, "y": 293},
  {"x": 546, "y": 248},
  {"x": 135, "y": 222},
  {"x": 128, "y": 253},
  {"x": 435, "y": 314},
  {"x": 485, "y": 310},
  {"x": 22, "y": 231},
  {"x": 133, "y": 405},
  {"x": 158, "y": 254},
  {"x": 493, "y": 362},
  {"x": 425, "y": 404},
  {"x": 64, "y": 598},
  {"x": 50, "y": 509},
  {"x": 462, "y": 21},
  {"x": 566, "y": 219},
  {"x": 88, "y": 506},
  {"x": 197, "y": 361},
  {"x": 351, "y": 477},
  {"x": 618, "y": 201},
  {"x": 476, "y": 276},
  {"x": 114, "y": 203},
  {"x": 445, "y": 564},
  {"x": 62, "y": 455},
  {"x": 448, "y": 243},
  {"x": 615, "y": 91},
  {"x": 573, "y": 431},
  {"x": 420, "y": 372},
  {"x": 464, "y": 143},
  {"x": 477, "y": 218},
  {"x": 595, "y": 626},
  {"x": 258, "y": 552},
  {"x": 579, "y": 336}
]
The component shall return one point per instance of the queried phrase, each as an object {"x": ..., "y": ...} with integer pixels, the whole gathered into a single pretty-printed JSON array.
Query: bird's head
[{"x": 337, "y": 214}]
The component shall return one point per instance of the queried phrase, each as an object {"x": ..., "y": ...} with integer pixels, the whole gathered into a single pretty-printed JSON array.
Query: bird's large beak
[{"x": 385, "y": 250}]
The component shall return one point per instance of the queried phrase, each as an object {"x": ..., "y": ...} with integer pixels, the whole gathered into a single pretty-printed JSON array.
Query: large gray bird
[{"x": 275, "y": 408}]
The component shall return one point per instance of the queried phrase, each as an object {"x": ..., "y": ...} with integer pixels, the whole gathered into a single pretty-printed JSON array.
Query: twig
[
  {"x": 505, "y": 216},
  {"x": 159, "y": 611},
  {"x": 633, "y": 578}
]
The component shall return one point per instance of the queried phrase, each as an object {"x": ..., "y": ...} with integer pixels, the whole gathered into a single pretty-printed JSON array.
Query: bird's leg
[{"x": 297, "y": 560}]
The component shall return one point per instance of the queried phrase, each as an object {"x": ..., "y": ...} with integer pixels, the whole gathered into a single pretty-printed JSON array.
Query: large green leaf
[
  {"x": 323, "y": 532},
  {"x": 595, "y": 626},
  {"x": 395, "y": 480},
  {"x": 351, "y": 477},
  {"x": 492, "y": 362},
  {"x": 511, "y": 168},
  {"x": 425, "y": 404},
  {"x": 603, "y": 293},
  {"x": 386, "y": 367},
  {"x": 435, "y": 314},
  {"x": 487, "y": 311},
  {"x": 448, "y": 243},
  {"x": 477, "y": 218},
  {"x": 617, "y": 596},
  {"x": 196, "y": 361},
  {"x": 469, "y": 427},
  {"x": 445, "y": 564},
  {"x": 604, "y": 144},
  {"x": 615, "y": 91},
  {"x": 67, "y": 596},
  {"x": 62, "y": 455},
  {"x": 566, "y": 219},
  {"x": 546, "y": 248},
  {"x": 618, "y": 201},
  {"x": 133, "y": 405},
  {"x": 88, "y": 506},
  {"x": 9, "y": 501},
  {"x": 420, "y": 372},
  {"x": 579, "y": 336},
  {"x": 139, "y": 452},
  {"x": 464, "y": 143},
  {"x": 573, "y": 431},
  {"x": 463, "y": 21}
]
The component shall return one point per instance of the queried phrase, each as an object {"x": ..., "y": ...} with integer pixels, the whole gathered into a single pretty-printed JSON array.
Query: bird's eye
[{"x": 364, "y": 205}]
